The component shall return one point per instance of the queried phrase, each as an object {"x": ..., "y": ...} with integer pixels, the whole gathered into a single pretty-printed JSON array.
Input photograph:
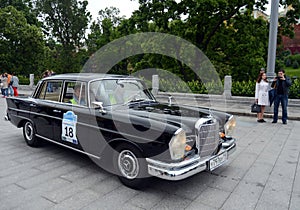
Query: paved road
[{"x": 264, "y": 173}]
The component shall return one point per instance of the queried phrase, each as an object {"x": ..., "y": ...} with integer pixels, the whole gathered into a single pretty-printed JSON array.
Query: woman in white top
[{"x": 262, "y": 95}]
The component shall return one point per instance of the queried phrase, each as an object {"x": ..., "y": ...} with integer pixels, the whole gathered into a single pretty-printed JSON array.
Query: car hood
[{"x": 176, "y": 116}]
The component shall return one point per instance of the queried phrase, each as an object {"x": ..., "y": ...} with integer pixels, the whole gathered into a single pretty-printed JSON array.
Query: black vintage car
[{"x": 118, "y": 123}]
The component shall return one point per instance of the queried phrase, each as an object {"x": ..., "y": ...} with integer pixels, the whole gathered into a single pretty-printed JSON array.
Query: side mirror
[{"x": 99, "y": 105}]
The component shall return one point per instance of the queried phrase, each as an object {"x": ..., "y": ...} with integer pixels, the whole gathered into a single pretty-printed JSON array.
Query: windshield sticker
[{"x": 69, "y": 127}]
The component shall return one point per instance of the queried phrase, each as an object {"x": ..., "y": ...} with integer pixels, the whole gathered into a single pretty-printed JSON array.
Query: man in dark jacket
[{"x": 281, "y": 83}]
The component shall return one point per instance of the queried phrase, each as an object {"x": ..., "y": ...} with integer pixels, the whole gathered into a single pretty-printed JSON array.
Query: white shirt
[{"x": 261, "y": 93}]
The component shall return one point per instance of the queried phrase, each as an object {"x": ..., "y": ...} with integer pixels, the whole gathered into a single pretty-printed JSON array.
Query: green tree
[
  {"x": 286, "y": 28},
  {"x": 104, "y": 30},
  {"x": 224, "y": 29},
  {"x": 288, "y": 21},
  {"x": 210, "y": 25},
  {"x": 26, "y": 6},
  {"x": 21, "y": 44},
  {"x": 65, "y": 21},
  {"x": 242, "y": 50},
  {"x": 108, "y": 27}
]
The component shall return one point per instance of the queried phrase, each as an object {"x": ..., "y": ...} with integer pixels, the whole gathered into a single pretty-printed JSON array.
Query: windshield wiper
[
  {"x": 136, "y": 100},
  {"x": 140, "y": 100}
]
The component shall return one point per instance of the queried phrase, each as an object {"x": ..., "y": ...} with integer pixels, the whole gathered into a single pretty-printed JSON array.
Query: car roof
[{"x": 86, "y": 76}]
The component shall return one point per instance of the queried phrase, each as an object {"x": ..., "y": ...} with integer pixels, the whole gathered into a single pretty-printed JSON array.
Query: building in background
[
  {"x": 288, "y": 44},
  {"x": 292, "y": 44}
]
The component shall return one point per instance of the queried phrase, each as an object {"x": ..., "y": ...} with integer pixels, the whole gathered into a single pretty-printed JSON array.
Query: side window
[
  {"x": 98, "y": 92},
  {"x": 75, "y": 93},
  {"x": 50, "y": 90},
  {"x": 109, "y": 92}
]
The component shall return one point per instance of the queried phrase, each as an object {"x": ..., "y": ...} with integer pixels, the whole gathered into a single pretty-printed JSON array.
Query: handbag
[{"x": 255, "y": 108}]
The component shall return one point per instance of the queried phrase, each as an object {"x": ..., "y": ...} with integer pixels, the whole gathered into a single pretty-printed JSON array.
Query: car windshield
[{"x": 119, "y": 91}]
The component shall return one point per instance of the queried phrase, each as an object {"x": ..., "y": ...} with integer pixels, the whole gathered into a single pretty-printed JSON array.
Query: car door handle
[
  {"x": 32, "y": 105},
  {"x": 57, "y": 111}
]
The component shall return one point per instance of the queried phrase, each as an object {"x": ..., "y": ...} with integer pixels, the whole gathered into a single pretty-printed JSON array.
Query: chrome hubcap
[
  {"x": 128, "y": 164},
  {"x": 28, "y": 131}
]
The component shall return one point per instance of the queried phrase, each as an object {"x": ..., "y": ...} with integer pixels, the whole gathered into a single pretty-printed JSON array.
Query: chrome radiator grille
[{"x": 207, "y": 138}]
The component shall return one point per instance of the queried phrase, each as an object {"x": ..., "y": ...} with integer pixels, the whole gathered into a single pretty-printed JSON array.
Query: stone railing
[{"x": 227, "y": 86}]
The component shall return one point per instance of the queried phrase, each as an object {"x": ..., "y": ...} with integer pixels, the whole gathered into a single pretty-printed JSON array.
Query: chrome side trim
[
  {"x": 84, "y": 124},
  {"x": 77, "y": 150},
  {"x": 34, "y": 113},
  {"x": 94, "y": 127},
  {"x": 45, "y": 115},
  {"x": 19, "y": 110}
]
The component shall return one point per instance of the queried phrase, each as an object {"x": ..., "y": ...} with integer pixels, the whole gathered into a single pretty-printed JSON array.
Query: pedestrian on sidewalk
[
  {"x": 4, "y": 85},
  {"x": 262, "y": 70},
  {"x": 9, "y": 82},
  {"x": 15, "y": 84},
  {"x": 281, "y": 83},
  {"x": 262, "y": 95}
]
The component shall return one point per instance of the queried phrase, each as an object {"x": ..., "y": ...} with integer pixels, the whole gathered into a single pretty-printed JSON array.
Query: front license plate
[{"x": 217, "y": 161}]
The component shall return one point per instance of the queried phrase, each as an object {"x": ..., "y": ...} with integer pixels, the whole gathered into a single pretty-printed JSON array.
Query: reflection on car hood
[{"x": 179, "y": 116}]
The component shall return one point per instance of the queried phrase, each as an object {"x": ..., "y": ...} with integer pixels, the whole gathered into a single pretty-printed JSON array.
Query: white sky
[{"x": 126, "y": 7}]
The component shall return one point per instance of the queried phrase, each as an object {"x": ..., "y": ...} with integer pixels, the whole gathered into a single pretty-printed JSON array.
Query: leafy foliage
[
  {"x": 65, "y": 24},
  {"x": 295, "y": 89},
  {"x": 244, "y": 88},
  {"x": 21, "y": 44},
  {"x": 229, "y": 37},
  {"x": 225, "y": 30},
  {"x": 26, "y": 6},
  {"x": 194, "y": 86},
  {"x": 295, "y": 65}
]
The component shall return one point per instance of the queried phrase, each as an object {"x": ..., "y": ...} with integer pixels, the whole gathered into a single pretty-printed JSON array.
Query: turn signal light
[
  {"x": 188, "y": 147},
  {"x": 222, "y": 135}
]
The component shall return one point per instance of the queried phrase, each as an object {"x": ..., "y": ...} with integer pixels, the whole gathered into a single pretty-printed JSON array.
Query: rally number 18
[{"x": 69, "y": 132}]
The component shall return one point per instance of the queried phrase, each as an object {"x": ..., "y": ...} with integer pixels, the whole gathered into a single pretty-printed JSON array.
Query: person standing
[
  {"x": 15, "y": 84},
  {"x": 262, "y": 95},
  {"x": 10, "y": 82},
  {"x": 5, "y": 85},
  {"x": 46, "y": 74},
  {"x": 262, "y": 70},
  {"x": 281, "y": 83}
]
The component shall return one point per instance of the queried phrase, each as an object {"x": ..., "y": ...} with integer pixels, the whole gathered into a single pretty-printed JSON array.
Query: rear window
[{"x": 50, "y": 90}]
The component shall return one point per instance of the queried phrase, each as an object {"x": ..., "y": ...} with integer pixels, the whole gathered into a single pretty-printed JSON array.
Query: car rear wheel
[
  {"x": 130, "y": 166},
  {"x": 29, "y": 134}
]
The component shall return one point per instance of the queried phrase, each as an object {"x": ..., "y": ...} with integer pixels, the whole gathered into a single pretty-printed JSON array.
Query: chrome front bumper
[{"x": 184, "y": 169}]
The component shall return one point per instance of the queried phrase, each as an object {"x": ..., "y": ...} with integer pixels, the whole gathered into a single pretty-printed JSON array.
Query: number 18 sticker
[{"x": 68, "y": 132}]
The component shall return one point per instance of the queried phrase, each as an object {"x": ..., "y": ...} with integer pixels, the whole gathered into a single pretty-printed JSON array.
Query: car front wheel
[
  {"x": 130, "y": 166},
  {"x": 29, "y": 134}
]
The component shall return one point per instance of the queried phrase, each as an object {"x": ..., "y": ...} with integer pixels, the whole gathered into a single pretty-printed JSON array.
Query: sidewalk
[{"x": 263, "y": 173}]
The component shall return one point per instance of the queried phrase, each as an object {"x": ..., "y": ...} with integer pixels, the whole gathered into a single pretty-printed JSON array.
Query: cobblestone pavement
[{"x": 264, "y": 173}]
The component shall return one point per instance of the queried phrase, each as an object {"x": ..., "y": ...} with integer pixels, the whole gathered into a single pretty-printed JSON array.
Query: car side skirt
[{"x": 66, "y": 146}]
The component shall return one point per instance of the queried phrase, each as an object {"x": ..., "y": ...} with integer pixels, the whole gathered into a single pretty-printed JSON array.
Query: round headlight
[
  {"x": 177, "y": 144},
  {"x": 230, "y": 126}
]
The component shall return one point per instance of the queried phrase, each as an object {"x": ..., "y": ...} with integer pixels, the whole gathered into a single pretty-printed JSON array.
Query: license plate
[{"x": 217, "y": 161}]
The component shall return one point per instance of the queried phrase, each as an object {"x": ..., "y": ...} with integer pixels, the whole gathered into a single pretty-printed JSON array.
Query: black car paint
[{"x": 96, "y": 129}]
